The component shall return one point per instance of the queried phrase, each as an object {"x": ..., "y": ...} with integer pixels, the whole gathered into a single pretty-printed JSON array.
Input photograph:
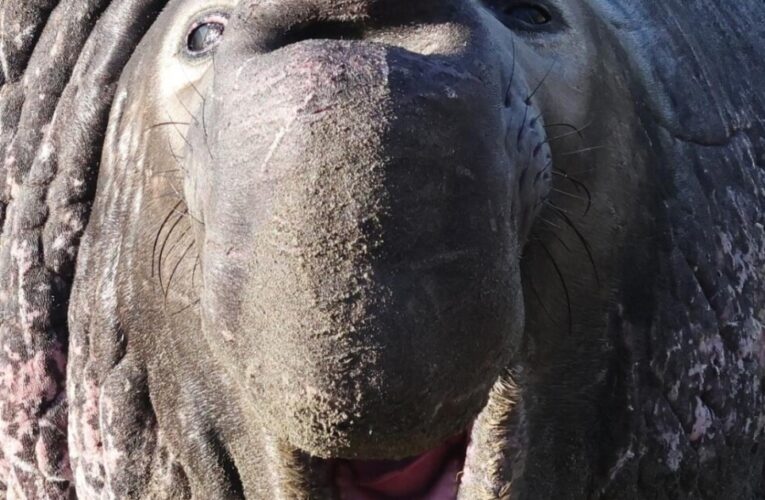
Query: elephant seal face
[
  {"x": 360, "y": 243},
  {"x": 363, "y": 176}
]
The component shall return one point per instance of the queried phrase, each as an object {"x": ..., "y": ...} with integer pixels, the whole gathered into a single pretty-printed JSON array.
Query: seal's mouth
[{"x": 433, "y": 475}]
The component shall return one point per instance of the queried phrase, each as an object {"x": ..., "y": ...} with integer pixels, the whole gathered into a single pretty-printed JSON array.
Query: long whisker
[
  {"x": 556, "y": 207},
  {"x": 204, "y": 118},
  {"x": 583, "y": 150},
  {"x": 563, "y": 284},
  {"x": 564, "y": 125},
  {"x": 178, "y": 240},
  {"x": 177, "y": 265},
  {"x": 542, "y": 81},
  {"x": 166, "y": 124},
  {"x": 186, "y": 108},
  {"x": 159, "y": 233},
  {"x": 569, "y": 195},
  {"x": 577, "y": 131},
  {"x": 167, "y": 172},
  {"x": 164, "y": 246},
  {"x": 194, "y": 271},
  {"x": 186, "y": 308},
  {"x": 539, "y": 298},
  {"x": 178, "y": 158},
  {"x": 555, "y": 235},
  {"x": 508, "y": 91},
  {"x": 582, "y": 239},
  {"x": 550, "y": 223},
  {"x": 579, "y": 185}
]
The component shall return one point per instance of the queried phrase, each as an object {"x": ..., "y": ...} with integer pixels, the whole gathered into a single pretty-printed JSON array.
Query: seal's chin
[{"x": 433, "y": 475}]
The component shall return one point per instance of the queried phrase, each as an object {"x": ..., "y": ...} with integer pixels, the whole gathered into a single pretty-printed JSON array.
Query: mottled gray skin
[{"x": 305, "y": 248}]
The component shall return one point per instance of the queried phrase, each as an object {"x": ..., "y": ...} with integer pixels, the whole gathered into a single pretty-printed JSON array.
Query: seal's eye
[
  {"x": 205, "y": 35},
  {"x": 529, "y": 14}
]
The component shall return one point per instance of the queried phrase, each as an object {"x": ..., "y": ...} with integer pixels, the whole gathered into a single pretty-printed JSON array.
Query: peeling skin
[
  {"x": 674, "y": 454},
  {"x": 703, "y": 422}
]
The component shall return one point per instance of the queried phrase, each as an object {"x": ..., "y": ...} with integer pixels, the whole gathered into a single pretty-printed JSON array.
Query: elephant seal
[{"x": 385, "y": 249}]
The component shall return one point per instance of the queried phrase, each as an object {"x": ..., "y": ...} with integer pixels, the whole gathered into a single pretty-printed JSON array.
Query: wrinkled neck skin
[{"x": 304, "y": 256}]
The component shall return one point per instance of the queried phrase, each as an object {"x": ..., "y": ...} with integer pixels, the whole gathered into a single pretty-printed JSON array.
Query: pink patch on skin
[
  {"x": 26, "y": 388},
  {"x": 29, "y": 382},
  {"x": 41, "y": 452}
]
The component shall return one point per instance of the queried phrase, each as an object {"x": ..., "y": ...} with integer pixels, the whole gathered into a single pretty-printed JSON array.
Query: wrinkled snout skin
[{"x": 361, "y": 235}]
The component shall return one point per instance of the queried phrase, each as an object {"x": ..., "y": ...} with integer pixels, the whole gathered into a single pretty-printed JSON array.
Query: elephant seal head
[{"x": 319, "y": 210}]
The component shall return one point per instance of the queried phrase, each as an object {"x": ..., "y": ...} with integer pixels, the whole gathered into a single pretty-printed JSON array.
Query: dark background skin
[{"x": 642, "y": 378}]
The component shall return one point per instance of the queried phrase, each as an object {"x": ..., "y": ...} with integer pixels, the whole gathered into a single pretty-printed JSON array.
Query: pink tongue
[{"x": 430, "y": 476}]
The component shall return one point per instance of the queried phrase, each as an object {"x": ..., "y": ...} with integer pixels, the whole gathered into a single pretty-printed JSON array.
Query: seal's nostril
[
  {"x": 266, "y": 26},
  {"x": 323, "y": 30}
]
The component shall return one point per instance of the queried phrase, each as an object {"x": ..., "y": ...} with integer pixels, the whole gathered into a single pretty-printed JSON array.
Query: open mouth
[{"x": 433, "y": 475}]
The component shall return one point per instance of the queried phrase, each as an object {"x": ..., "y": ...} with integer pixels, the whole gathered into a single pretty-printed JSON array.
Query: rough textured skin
[
  {"x": 56, "y": 94},
  {"x": 302, "y": 248}
]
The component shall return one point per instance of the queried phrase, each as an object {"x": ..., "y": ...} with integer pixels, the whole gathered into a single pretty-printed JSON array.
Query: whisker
[
  {"x": 177, "y": 265},
  {"x": 539, "y": 298},
  {"x": 576, "y": 131},
  {"x": 564, "y": 125},
  {"x": 164, "y": 246},
  {"x": 165, "y": 196},
  {"x": 166, "y": 124},
  {"x": 583, "y": 240},
  {"x": 174, "y": 124},
  {"x": 563, "y": 284},
  {"x": 546, "y": 221},
  {"x": 522, "y": 128},
  {"x": 184, "y": 309},
  {"x": 585, "y": 171},
  {"x": 508, "y": 91},
  {"x": 555, "y": 235},
  {"x": 190, "y": 216},
  {"x": 204, "y": 118},
  {"x": 555, "y": 207},
  {"x": 178, "y": 240},
  {"x": 176, "y": 156},
  {"x": 539, "y": 85},
  {"x": 577, "y": 184},
  {"x": 186, "y": 108},
  {"x": 569, "y": 195},
  {"x": 159, "y": 233},
  {"x": 583, "y": 150},
  {"x": 167, "y": 173},
  {"x": 194, "y": 271}
]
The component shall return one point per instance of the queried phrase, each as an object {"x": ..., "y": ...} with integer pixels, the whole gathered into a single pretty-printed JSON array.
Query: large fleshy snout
[{"x": 359, "y": 254}]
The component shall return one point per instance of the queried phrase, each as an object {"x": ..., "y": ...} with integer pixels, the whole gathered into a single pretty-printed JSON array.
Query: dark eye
[
  {"x": 527, "y": 15},
  {"x": 532, "y": 15},
  {"x": 204, "y": 36}
]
